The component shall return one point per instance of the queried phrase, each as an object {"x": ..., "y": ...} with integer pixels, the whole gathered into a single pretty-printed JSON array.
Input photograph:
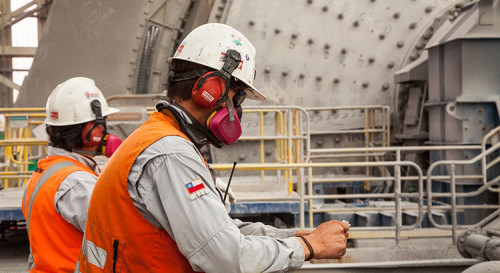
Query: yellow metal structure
[{"x": 19, "y": 147}]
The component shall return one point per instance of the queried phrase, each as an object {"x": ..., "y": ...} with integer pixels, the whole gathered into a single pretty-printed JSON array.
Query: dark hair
[
  {"x": 181, "y": 90},
  {"x": 66, "y": 137}
]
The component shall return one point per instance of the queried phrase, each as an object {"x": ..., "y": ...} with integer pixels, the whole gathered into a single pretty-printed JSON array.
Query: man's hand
[{"x": 328, "y": 240}]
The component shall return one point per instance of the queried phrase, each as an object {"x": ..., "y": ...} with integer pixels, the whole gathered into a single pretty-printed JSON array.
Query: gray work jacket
[{"x": 161, "y": 183}]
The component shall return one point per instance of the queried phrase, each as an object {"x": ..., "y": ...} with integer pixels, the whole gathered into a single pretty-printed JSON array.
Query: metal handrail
[
  {"x": 284, "y": 137},
  {"x": 397, "y": 195},
  {"x": 453, "y": 194},
  {"x": 369, "y": 122},
  {"x": 303, "y": 135},
  {"x": 290, "y": 116},
  {"x": 395, "y": 149},
  {"x": 484, "y": 165},
  {"x": 303, "y": 197},
  {"x": 419, "y": 194},
  {"x": 17, "y": 142}
]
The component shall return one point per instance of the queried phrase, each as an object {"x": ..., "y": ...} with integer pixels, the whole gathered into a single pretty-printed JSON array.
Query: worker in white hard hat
[
  {"x": 156, "y": 208},
  {"x": 56, "y": 198}
]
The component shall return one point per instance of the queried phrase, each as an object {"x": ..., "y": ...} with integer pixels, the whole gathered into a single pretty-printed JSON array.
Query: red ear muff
[
  {"x": 92, "y": 134},
  {"x": 211, "y": 90}
]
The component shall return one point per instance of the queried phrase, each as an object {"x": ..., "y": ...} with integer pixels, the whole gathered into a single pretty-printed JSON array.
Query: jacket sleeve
[
  {"x": 73, "y": 196},
  {"x": 202, "y": 229},
  {"x": 249, "y": 228}
]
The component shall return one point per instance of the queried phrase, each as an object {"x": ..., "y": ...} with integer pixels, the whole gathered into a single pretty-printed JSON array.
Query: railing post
[
  {"x": 366, "y": 184},
  {"x": 261, "y": 116},
  {"x": 301, "y": 205},
  {"x": 453, "y": 203},
  {"x": 397, "y": 195},
  {"x": 310, "y": 200},
  {"x": 7, "y": 151}
]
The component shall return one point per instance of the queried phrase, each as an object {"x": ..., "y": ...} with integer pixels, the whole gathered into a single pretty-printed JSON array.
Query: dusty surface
[{"x": 14, "y": 252}]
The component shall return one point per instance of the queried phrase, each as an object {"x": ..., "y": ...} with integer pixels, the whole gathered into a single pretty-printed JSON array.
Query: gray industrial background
[{"x": 433, "y": 66}]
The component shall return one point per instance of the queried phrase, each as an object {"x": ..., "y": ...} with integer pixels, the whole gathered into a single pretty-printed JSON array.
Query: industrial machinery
[{"x": 385, "y": 113}]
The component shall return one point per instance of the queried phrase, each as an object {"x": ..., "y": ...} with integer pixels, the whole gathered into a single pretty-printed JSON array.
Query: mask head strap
[{"x": 184, "y": 76}]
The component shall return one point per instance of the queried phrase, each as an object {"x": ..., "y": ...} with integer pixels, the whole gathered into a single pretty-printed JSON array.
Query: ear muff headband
[{"x": 93, "y": 132}]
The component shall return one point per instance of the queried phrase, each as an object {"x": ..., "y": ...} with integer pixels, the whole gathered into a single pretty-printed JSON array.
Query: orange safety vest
[
  {"x": 117, "y": 237},
  {"x": 55, "y": 243}
]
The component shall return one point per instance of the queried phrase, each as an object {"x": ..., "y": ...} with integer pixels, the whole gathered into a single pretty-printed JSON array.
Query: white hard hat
[
  {"x": 207, "y": 45},
  {"x": 69, "y": 102}
]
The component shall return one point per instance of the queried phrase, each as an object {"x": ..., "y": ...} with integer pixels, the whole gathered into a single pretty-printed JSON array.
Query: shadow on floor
[{"x": 14, "y": 251}]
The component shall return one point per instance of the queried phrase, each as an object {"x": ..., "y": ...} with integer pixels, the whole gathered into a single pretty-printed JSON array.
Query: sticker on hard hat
[
  {"x": 223, "y": 59},
  {"x": 179, "y": 50},
  {"x": 54, "y": 115},
  {"x": 89, "y": 94},
  {"x": 236, "y": 40}
]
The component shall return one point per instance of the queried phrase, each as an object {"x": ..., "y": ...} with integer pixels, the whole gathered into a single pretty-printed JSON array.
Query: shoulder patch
[{"x": 196, "y": 188}]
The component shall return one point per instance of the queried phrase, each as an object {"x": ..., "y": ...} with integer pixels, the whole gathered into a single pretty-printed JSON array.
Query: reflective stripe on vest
[
  {"x": 94, "y": 254},
  {"x": 46, "y": 175},
  {"x": 77, "y": 268}
]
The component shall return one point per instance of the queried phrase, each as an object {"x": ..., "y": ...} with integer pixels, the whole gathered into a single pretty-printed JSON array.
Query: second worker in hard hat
[
  {"x": 57, "y": 195},
  {"x": 155, "y": 207}
]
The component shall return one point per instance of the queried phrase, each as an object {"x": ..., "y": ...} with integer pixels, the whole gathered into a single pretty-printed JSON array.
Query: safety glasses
[{"x": 239, "y": 98}]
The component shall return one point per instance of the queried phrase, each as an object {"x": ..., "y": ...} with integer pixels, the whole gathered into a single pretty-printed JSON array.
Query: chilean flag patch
[{"x": 196, "y": 188}]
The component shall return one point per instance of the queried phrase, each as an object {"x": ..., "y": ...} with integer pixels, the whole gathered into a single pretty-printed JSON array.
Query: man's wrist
[
  {"x": 302, "y": 232},
  {"x": 310, "y": 251}
]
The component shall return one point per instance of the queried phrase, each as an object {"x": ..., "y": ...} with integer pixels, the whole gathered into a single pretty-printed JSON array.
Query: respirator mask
[
  {"x": 220, "y": 123},
  {"x": 110, "y": 144},
  {"x": 95, "y": 134}
]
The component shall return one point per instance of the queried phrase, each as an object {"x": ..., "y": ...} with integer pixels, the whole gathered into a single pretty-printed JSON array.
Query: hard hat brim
[
  {"x": 254, "y": 94},
  {"x": 111, "y": 110}
]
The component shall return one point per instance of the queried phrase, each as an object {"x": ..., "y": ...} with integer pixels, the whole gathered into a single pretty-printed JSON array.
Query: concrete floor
[
  {"x": 14, "y": 250},
  {"x": 429, "y": 255}
]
